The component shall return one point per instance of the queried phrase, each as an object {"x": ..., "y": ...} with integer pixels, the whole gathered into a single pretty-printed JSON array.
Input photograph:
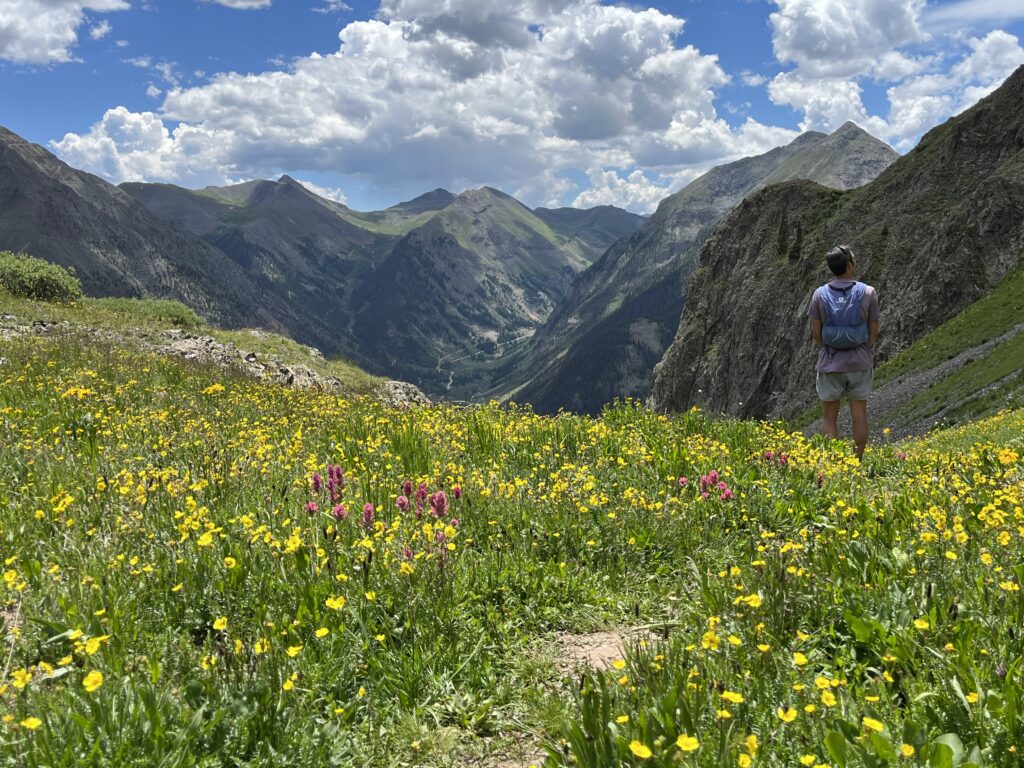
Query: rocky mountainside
[
  {"x": 940, "y": 228},
  {"x": 415, "y": 291},
  {"x": 116, "y": 246},
  {"x": 603, "y": 341}
]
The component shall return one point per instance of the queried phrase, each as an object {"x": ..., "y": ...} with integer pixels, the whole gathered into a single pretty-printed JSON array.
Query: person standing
[{"x": 844, "y": 318}]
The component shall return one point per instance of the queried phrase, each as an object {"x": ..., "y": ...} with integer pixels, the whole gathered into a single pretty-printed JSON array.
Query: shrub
[
  {"x": 27, "y": 277},
  {"x": 159, "y": 310}
]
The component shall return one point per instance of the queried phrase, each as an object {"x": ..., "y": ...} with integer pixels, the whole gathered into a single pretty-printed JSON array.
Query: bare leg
[
  {"x": 859, "y": 415},
  {"x": 830, "y": 418}
]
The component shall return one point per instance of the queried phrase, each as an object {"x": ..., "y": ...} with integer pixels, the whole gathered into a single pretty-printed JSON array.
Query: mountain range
[
  {"x": 936, "y": 232},
  {"x": 604, "y": 340},
  {"x": 115, "y": 245},
  {"x": 475, "y": 295},
  {"x": 404, "y": 290}
]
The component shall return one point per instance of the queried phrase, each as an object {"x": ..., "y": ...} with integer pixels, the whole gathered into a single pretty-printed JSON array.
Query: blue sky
[{"x": 557, "y": 101}]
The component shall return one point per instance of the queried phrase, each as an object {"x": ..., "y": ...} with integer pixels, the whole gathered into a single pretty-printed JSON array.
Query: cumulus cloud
[
  {"x": 634, "y": 191},
  {"x": 450, "y": 92},
  {"x": 840, "y": 38},
  {"x": 46, "y": 31},
  {"x": 101, "y": 30},
  {"x": 916, "y": 103},
  {"x": 328, "y": 193}
]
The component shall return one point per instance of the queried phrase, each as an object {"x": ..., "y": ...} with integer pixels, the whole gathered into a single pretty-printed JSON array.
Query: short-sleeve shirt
[{"x": 845, "y": 360}]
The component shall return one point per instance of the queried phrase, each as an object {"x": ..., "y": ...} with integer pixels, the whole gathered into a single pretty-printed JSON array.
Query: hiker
[{"x": 844, "y": 323}]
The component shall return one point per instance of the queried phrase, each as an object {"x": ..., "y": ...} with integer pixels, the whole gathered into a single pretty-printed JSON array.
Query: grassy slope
[
  {"x": 153, "y": 316},
  {"x": 986, "y": 319},
  {"x": 165, "y": 519}
]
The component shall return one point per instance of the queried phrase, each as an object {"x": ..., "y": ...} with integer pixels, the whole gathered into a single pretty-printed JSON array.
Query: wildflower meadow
[{"x": 203, "y": 570}]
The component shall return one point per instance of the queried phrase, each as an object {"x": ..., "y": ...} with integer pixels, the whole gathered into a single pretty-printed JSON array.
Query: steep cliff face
[
  {"x": 936, "y": 231},
  {"x": 603, "y": 341}
]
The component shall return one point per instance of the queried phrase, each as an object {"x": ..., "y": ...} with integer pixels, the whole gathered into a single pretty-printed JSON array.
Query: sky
[{"x": 558, "y": 102}]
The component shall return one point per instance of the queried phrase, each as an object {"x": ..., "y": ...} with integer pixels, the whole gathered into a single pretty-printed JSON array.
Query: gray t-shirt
[{"x": 845, "y": 360}]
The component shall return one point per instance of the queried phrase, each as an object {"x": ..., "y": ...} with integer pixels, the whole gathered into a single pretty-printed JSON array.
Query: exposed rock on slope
[
  {"x": 205, "y": 349},
  {"x": 116, "y": 246},
  {"x": 603, "y": 341},
  {"x": 936, "y": 231}
]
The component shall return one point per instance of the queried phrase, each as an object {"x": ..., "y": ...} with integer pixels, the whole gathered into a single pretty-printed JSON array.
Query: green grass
[
  {"x": 175, "y": 601},
  {"x": 965, "y": 388},
  {"x": 152, "y": 316},
  {"x": 986, "y": 319}
]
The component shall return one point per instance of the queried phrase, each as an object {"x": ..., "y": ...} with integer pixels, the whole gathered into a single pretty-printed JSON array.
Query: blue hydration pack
[{"x": 844, "y": 327}]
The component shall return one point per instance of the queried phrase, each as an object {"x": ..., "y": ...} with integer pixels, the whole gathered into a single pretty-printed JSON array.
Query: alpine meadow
[{"x": 392, "y": 384}]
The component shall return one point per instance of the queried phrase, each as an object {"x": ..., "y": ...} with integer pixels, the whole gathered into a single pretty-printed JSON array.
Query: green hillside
[{"x": 145, "y": 319}]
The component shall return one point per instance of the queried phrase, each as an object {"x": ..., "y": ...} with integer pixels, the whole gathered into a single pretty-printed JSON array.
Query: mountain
[
  {"x": 935, "y": 232},
  {"x": 483, "y": 270},
  {"x": 603, "y": 341},
  {"x": 116, "y": 246},
  {"x": 420, "y": 291}
]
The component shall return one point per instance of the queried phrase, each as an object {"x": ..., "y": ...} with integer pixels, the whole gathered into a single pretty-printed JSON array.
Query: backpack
[{"x": 844, "y": 328}]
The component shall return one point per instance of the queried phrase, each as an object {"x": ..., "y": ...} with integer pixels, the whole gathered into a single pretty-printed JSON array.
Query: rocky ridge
[{"x": 205, "y": 349}]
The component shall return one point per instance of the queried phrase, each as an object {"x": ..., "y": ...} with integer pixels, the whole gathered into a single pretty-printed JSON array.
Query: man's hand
[
  {"x": 816, "y": 331},
  {"x": 872, "y": 333}
]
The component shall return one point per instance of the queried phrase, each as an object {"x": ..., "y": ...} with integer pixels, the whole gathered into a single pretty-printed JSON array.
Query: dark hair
[{"x": 839, "y": 258}]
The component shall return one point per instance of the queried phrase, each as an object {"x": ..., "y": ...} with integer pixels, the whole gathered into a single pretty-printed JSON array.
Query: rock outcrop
[
  {"x": 206, "y": 349},
  {"x": 933, "y": 233}
]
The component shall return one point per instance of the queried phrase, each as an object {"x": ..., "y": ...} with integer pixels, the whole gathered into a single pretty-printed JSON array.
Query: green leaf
[
  {"x": 835, "y": 743},
  {"x": 860, "y": 628},
  {"x": 956, "y": 746},
  {"x": 883, "y": 748},
  {"x": 940, "y": 756}
]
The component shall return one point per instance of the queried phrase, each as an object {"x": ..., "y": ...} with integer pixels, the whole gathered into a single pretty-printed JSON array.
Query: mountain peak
[
  {"x": 807, "y": 137},
  {"x": 435, "y": 200},
  {"x": 850, "y": 128}
]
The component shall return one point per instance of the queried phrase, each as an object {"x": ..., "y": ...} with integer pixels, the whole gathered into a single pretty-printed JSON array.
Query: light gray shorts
[{"x": 850, "y": 386}]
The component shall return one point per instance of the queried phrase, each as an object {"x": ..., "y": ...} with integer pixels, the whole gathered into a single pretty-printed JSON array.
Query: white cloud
[
  {"x": 840, "y": 38},
  {"x": 916, "y": 103},
  {"x": 328, "y": 193},
  {"x": 242, "y": 5},
  {"x": 167, "y": 70},
  {"x": 636, "y": 191},
  {"x": 446, "y": 92},
  {"x": 753, "y": 79},
  {"x": 45, "y": 31},
  {"x": 333, "y": 6},
  {"x": 972, "y": 12},
  {"x": 153, "y": 92},
  {"x": 826, "y": 103},
  {"x": 101, "y": 30}
]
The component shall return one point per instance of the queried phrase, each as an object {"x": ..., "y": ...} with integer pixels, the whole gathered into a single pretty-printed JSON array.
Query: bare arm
[
  {"x": 816, "y": 331},
  {"x": 872, "y": 333}
]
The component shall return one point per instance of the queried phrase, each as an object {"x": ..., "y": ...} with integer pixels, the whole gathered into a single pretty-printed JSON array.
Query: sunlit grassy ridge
[
  {"x": 190, "y": 583},
  {"x": 151, "y": 316}
]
